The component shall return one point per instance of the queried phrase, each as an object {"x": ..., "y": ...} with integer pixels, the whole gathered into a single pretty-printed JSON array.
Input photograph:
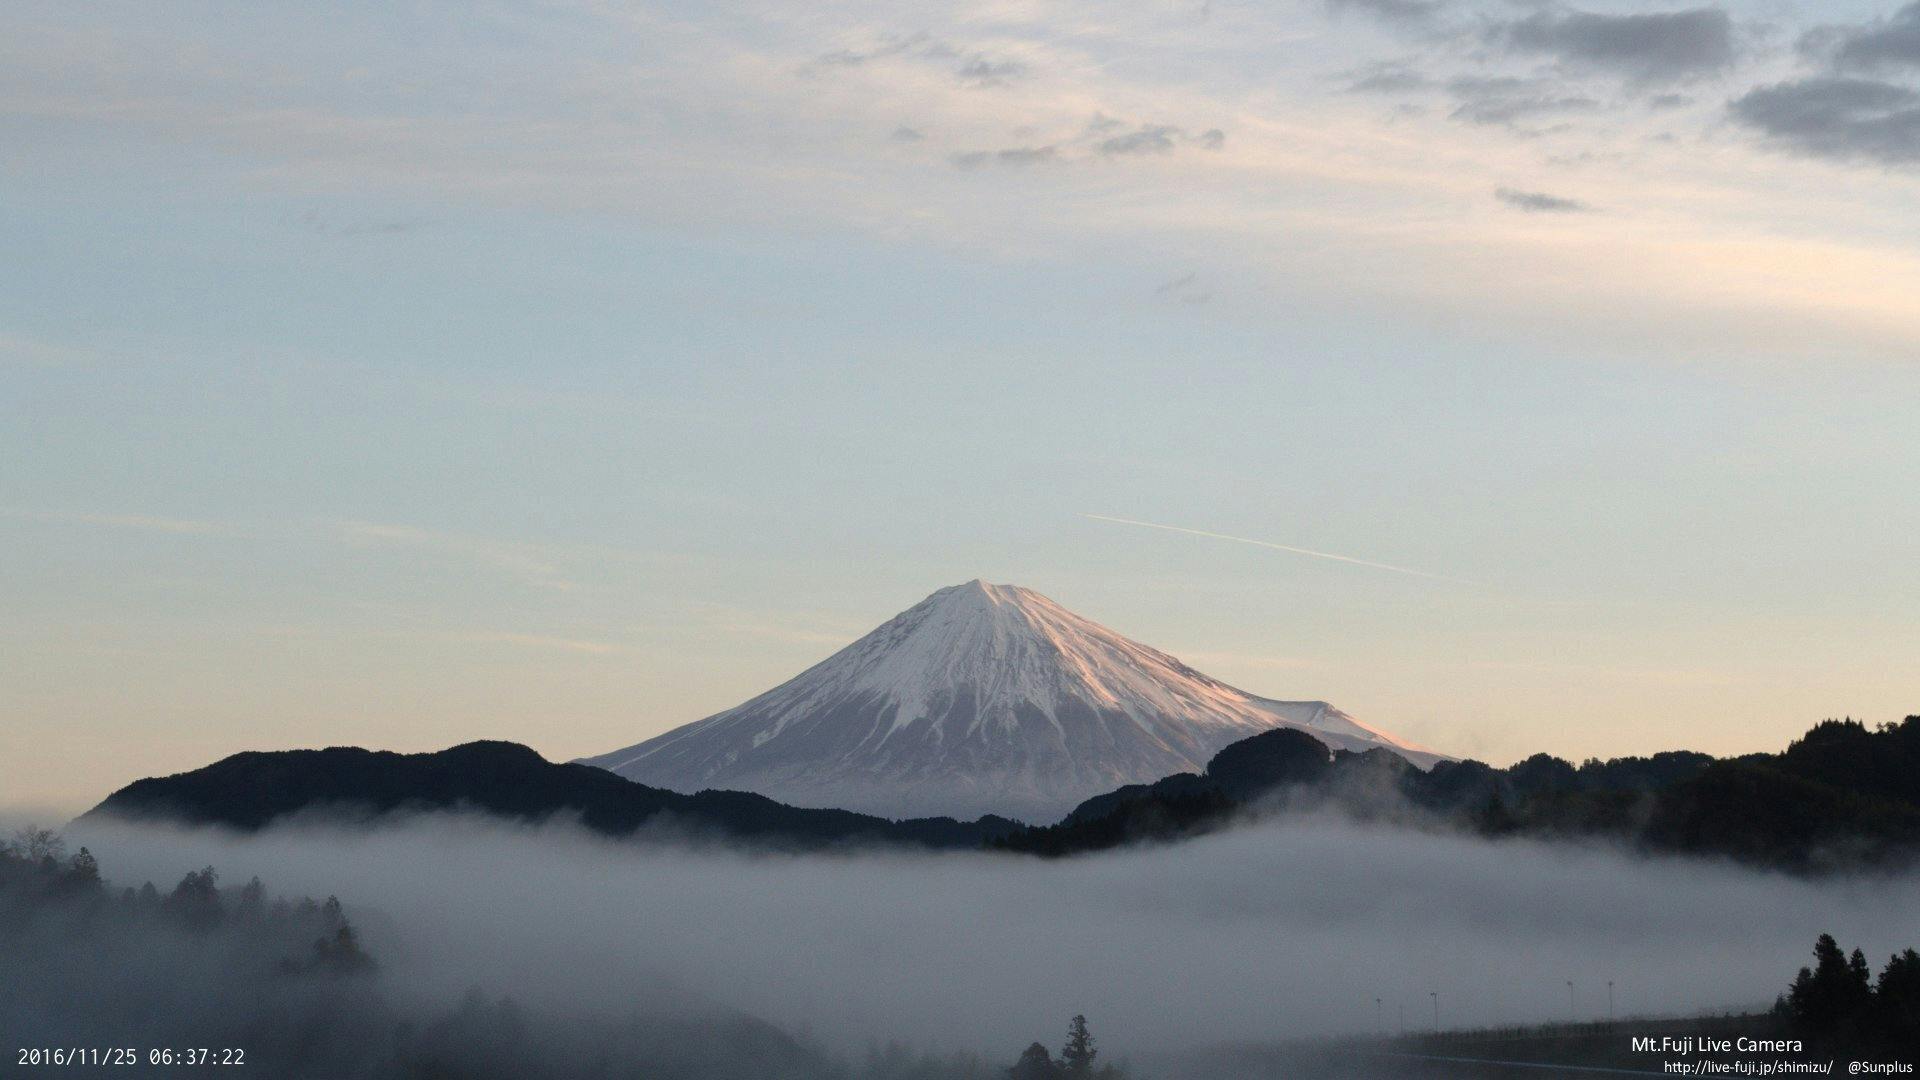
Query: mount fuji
[{"x": 979, "y": 699}]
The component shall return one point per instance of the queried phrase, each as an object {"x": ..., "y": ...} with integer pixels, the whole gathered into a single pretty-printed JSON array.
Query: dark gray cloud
[
  {"x": 1387, "y": 78},
  {"x": 1842, "y": 118},
  {"x": 1185, "y": 289},
  {"x": 1651, "y": 48},
  {"x": 1157, "y": 139},
  {"x": 1506, "y": 101},
  {"x": 328, "y": 225},
  {"x": 1669, "y": 101},
  {"x": 1539, "y": 202},
  {"x": 842, "y": 58},
  {"x": 888, "y": 47},
  {"x": 920, "y": 47},
  {"x": 903, "y": 133},
  {"x": 1820, "y": 43},
  {"x": 1103, "y": 137},
  {"x": 1887, "y": 46},
  {"x": 1406, "y": 12},
  {"x": 1013, "y": 155},
  {"x": 980, "y": 71}
]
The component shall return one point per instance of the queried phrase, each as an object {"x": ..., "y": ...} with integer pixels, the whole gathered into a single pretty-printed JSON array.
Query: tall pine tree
[{"x": 1077, "y": 1056}]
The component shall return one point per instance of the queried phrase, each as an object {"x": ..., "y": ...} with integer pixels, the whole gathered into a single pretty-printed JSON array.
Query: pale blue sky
[{"x": 566, "y": 372}]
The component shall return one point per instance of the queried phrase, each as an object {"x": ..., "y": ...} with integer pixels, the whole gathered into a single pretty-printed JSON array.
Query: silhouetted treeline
[
  {"x": 248, "y": 790},
  {"x": 1843, "y": 796},
  {"x": 1838, "y": 1002}
]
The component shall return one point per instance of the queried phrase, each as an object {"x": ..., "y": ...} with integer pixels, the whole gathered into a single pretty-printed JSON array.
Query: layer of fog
[{"x": 1277, "y": 930}]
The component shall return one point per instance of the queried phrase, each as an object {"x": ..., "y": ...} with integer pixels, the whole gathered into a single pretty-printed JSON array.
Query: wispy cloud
[
  {"x": 27, "y": 352},
  {"x": 1407, "y": 12},
  {"x": 527, "y": 562},
  {"x": 789, "y": 107},
  {"x": 1669, "y": 676},
  {"x": 1387, "y": 77},
  {"x": 142, "y": 522},
  {"x": 1276, "y": 547},
  {"x": 981, "y": 71},
  {"x": 1159, "y": 139},
  {"x": 1508, "y": 101},
  {"x": 547, "y": 641},
  {"x": 1211, "y": 660},
  {"x": 1101, "y": 138},
  {"x": 326, "y": 224},
  {"x": 916, "y": 43},
  {"x": 1185, "y": 289},
  {"x": 535, "y": 564},
  {"x": 1013, "y": 155},
  {"x": 387, "y": 623},
  {"x": 1539, "y": 202},
  {"x": 793, "y": 627}
]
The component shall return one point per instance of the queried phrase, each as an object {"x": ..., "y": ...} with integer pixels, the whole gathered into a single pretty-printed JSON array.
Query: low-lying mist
[{"x": 1276, "y": 930}]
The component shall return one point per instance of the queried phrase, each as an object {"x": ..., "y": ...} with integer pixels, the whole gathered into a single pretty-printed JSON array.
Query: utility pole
[
  {"x": 1435, "y": 995},
  {"x": 1379, "y": 1018},
  {"x": 1573, "y": 1014},
  {"x": 1609, "y": 1000}
]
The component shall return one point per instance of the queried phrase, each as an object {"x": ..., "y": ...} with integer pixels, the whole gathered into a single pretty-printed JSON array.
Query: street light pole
[
  {"x": 1609, "y": 1000},
  {"x": 1435, "y": 995},
  {"x": 1573, "y": 1013}
]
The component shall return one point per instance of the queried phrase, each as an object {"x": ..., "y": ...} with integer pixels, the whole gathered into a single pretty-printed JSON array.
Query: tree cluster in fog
[
  {"x": 288, "y": 982},
  {"x": 1076, "y": 1060},
  {"x": 1837, "y": 1001}
]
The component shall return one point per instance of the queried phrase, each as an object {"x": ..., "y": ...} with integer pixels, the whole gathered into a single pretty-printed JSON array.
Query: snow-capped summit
[{"x": 979, "y": 699}]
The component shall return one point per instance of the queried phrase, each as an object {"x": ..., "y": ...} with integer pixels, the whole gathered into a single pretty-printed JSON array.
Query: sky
[{"x": 398, "y": 375}]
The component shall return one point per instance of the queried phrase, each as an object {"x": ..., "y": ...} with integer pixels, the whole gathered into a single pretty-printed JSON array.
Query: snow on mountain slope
[{"x": 979, "y": 699}]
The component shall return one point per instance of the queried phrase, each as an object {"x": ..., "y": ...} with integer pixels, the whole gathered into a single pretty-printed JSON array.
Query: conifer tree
[{"x": 1076, "y": 1058}]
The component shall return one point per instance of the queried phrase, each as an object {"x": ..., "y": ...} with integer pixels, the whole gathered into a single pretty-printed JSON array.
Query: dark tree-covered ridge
[
  {"x": 249, "y": 790},
  {"x": 1842, "y": 796}
]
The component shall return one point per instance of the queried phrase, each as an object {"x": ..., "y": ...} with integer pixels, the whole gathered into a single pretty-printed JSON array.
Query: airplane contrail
[{"x": 1277, "y": 547}]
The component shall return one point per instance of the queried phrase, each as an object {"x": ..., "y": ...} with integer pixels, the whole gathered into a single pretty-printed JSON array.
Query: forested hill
[
  {"x": 1843, "y": 796},
  {"x": 249, "y": 790}
]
